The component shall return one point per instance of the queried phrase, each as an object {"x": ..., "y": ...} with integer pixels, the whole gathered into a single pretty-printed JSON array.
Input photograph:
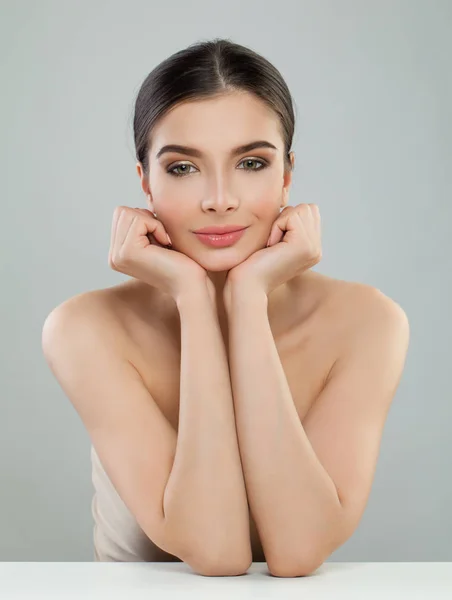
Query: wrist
[
  {"x": 236, "y": 294},
  {"x": 197, "y": 292}
]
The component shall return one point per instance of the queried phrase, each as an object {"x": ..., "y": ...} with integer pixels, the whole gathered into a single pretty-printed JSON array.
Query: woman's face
[{"x": 217, "y": 186}]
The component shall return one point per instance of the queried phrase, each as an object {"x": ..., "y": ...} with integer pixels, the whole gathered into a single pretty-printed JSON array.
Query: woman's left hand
[{"x": 294, "y": 246}]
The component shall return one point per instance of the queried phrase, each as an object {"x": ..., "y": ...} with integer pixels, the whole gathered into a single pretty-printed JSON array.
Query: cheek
[
  {"x": 170, "y": 216},
  {"x": 266, "y": 203},
  {"x": 174, "y": 199}
]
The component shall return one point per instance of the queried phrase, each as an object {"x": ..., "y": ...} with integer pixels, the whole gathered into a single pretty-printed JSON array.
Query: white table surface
[{"x": 140, "y": 580}]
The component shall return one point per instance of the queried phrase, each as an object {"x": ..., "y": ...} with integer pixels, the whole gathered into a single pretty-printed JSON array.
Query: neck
[{"x": 218, "y": 278}]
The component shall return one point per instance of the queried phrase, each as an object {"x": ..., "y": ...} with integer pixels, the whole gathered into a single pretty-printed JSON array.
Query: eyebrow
[{"x": 194, "y": 152}]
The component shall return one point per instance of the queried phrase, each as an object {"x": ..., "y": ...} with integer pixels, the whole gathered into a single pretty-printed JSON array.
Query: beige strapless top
[{"x": 117, "y": 536}]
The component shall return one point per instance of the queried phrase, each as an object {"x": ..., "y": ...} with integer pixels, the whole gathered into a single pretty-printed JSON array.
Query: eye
[
  {"x": 172, "y": 170},
  {"x": 254, "y": 160}
]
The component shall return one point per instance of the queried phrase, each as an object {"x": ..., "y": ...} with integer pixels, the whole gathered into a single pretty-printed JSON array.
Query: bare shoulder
[
  {"x": 362, "y": 301},
  {"x": 362, "y": 326},
  {"x": 352, "y": 295},
  {"x": 112, "y": 303},
  {"x": 84, "y": 305},
  {"x": 132, "y": 318},
  {"x": 365, "y": 315},
  {"x": 97, "y": 310},
  {"x": 350, "y": 309}
]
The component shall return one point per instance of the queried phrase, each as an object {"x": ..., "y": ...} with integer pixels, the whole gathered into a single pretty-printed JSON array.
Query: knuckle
[
  {"x": 119, "y": 210},
  {"x": 120, "y": 258},
  {"x": 113, "y": 263}
]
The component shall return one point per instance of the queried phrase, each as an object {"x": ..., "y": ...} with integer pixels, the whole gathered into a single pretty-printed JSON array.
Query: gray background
[{"x": 372, "y": 86}]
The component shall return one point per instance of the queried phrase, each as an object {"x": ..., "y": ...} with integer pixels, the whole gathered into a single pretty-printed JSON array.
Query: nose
[{"x": 220, "y": 200}]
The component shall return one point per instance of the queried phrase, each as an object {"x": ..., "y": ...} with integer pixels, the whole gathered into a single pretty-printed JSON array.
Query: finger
[
  {"x": 119, "y": 211},
  {"x": 138, "y": 229},
  {"x": 276, "y": 232},
  {"x": 114, "y": 226},
  {"x": 276, "y": 235},
  {"x": 313, "y": 228},
  {"x": 285, "y": 226},
  {"x": 152, "y": 240},
  {"x": 124, "y": 223},
  {"x": 318, "y": 221},
  {"x": 135, "y": 230},
  {"x": 160, "y": 230},
  {"x": 161, "y": 235},
  {"x": 148, "y": 225},
  {"x": 314, "y": 219}
]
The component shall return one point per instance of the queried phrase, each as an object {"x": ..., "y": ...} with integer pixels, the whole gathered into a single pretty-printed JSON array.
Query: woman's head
[{"x": 215, "y": 96}]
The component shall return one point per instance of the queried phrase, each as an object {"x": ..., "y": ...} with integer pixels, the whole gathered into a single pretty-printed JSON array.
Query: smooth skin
[{"x": 284, "y": 377}]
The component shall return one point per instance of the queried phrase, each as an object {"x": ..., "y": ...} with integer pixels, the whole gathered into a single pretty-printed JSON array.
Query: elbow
[
  {"x": 219, "y": 565},
  {"x": 300, "y": 562},
  {"x": 305, "y": 562},
  {"x": 291, "y": 568},
  {"x": 214, "y": 562},
  {"x": 222, "y": 570}
]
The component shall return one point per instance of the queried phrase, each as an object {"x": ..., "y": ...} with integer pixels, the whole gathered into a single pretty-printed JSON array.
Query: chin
[
  {"x": 218, "y": 265},
  {"x": 219, "y": 259}
]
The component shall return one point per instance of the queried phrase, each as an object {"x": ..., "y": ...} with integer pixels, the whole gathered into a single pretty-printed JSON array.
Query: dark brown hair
[{"x": 204, "y": 70}]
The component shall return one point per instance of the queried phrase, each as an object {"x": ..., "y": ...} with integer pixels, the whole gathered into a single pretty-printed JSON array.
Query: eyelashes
[{"x": 264, "y": 164}]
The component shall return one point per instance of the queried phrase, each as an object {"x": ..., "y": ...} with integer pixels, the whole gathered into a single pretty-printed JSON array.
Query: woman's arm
[
  {"x": 205, "y": 498},
  {"x": 293, "y": 499},
  {"x": 308, "y": 483}
]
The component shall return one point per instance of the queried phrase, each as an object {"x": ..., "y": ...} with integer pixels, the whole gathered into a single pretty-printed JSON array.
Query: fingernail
[{"x": 169, "y": 240}]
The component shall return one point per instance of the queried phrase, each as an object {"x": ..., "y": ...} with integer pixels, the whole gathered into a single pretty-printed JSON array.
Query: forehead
[{"x": 220, "y": 122}]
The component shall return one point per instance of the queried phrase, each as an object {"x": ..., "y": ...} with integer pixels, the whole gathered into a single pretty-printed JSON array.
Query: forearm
[
  {"x": 293, "y": 499},
  {"x": 205, "y": 499}
]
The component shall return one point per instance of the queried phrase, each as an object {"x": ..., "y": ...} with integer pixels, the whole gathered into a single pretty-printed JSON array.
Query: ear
[
  {"x": 145, "y": 186},
  {"x": 287, "y": 180}
]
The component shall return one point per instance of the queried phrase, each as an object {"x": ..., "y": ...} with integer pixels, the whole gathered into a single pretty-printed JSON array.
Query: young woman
[{"x": 235, "y": 398}]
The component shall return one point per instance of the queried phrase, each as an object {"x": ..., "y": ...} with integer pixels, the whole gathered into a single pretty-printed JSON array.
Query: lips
[
  {"x": 220, "y": 229},
  {"x": 222, "y": 240}
]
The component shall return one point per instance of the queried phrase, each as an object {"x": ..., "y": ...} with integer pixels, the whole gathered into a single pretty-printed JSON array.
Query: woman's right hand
[{"x": 133, "y": 253}]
